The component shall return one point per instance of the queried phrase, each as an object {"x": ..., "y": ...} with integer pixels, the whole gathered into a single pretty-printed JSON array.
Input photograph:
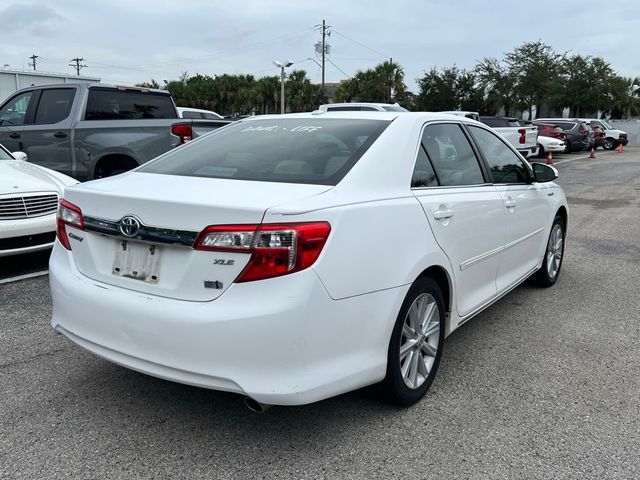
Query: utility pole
[
  {"x": 282, "y": 66},
  {"x": 324, "y": 31},
  {"x": 322, "y": 47},
  {"x": 77, "y": 65},
  {"x": 33, "y": 58},
  {"x": 390, "y": 79}
]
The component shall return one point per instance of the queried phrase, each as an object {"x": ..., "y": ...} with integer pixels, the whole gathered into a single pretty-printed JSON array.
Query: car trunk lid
[{"x": 140, "y": 227}]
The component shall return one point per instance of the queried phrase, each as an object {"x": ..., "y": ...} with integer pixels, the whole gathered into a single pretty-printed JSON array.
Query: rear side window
[
  {"x": 343, "y": 109},
  {"x": 506, "y": 166},
  {"x": 111, "y": 104},
  {"x": 54, "y": 105},
  {"x": 290, "y": 150},
  {"x": 423, "y": 174},
  {"x": 190, "y": 114},
  {"x": 565, "y": 125},
  {"x": 453, "y": 158}
]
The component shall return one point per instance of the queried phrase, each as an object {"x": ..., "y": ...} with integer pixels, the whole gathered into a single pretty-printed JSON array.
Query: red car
[
  {"x": 550, "y": 130},
  {"x": 599, "y": 136}
]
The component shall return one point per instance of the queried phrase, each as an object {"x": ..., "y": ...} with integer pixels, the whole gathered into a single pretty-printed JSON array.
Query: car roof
[{"x": 369, "y": 115}]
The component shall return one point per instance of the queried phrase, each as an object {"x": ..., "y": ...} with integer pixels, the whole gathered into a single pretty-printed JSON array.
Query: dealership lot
[{"x": 545, "y": 383}]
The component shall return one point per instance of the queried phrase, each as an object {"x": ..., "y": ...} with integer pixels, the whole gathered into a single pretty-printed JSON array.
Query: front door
[
  {"x": 525, "y": 205},
  {"x": 465, "y": 212}
]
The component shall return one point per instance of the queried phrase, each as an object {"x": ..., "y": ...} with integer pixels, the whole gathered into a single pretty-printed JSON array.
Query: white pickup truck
[
  {"x": 612, "y": 136},
  {"x": 524, "y": 138}
]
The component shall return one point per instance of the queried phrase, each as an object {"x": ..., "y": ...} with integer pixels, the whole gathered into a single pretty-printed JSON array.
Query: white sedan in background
[
  {"x": 549, "y": 144},
  {"x": 28, "y": 202},
  {"x": 292, "y": 258}
]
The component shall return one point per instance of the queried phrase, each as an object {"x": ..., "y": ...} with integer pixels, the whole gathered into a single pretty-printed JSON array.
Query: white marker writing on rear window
[{"x": 306, "y": 128}]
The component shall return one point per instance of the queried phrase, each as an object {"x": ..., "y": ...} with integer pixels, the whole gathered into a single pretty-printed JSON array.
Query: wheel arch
[
  {"x": 440, "y": 275},
  {"x": 114, "y": 161},
  {"x": 562, "y": 212}
]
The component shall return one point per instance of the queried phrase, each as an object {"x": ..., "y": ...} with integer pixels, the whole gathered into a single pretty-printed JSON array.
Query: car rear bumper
[{"x": 280, "y": 341}]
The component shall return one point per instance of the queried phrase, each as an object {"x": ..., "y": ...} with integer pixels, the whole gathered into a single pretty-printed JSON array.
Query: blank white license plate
[{"x": 137, "y": 260}]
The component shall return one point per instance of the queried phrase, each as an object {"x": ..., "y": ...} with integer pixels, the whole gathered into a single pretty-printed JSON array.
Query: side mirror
[
  {"x": 544, "y": 173},
  {"x": 20, "y": 156}
]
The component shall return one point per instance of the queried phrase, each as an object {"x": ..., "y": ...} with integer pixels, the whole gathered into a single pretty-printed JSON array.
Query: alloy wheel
[
  {"x": 554, "y": 251},
  {"x": 419, "y": 340}
]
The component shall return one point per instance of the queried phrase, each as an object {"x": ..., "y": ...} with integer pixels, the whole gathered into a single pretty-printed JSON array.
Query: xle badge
[
  {"x": 213, "y": 284},
  {"x": 222, "y": 261}
]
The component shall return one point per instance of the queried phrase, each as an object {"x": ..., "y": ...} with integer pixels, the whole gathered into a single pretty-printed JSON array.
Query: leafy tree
[
  {"x": 300, "y": 94},
  {"x": 496, "y": 84},
  {"x": 534, "y": 67},
  {"x": 451, "y": 88}
]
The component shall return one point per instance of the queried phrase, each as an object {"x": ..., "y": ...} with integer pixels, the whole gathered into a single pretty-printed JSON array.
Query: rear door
[
  {"x": 525, "y": 204},
  {"x": 464, "y": 210}
]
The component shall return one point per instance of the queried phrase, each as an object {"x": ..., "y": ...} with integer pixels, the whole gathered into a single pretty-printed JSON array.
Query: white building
[{"x": 12, "y": 80}]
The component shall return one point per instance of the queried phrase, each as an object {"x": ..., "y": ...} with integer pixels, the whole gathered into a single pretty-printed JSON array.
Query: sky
[{"x": 127, "y": 42}]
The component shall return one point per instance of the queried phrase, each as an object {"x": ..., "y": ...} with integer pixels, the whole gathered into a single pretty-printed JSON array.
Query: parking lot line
[{"x": 24, "y": 277}]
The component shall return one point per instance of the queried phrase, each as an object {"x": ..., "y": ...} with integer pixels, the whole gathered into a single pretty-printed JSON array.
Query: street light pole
[{"x": 282, "y": 67}]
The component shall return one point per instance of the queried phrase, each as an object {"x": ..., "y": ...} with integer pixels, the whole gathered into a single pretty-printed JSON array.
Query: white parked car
[
  {"x": 549, "y": 144},
  {"x": 198, "y": 113},
  {"x": 28, "y": 202},
  {"x": 291, "y": 258}
]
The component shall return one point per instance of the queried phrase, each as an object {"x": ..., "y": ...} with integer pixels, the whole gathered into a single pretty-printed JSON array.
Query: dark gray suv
[{"x": 580, "y": 136}]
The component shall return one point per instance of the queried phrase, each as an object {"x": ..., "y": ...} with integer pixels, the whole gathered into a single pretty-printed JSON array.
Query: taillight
[
  {"x": 68, "y": 214},
  {"x": 523, "y": 135},
  {"x": 584, "y": 132},
  {"x": 276, "y": 249},
  {"x": 183, "y": 131}
]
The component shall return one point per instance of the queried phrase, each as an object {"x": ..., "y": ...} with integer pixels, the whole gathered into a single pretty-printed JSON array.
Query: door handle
[
  {"x": 510, "y": 203},
  {"x": 14, "y": 135},
  {"x": 442, "y": 214},
  {"x": 60, "y": 135}
]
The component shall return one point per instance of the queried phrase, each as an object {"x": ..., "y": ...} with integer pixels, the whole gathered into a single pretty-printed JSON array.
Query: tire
[
  {"x": 567, "y": 147},
  {"x": 410, "y": 376},
  {"x": 541, "y": 151},
  {"x": 548, "y": 273},
  {"x": 609, "y": 144}
]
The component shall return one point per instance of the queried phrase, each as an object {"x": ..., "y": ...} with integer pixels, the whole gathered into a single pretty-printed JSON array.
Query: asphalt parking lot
[{"x": 544, "y": 384}]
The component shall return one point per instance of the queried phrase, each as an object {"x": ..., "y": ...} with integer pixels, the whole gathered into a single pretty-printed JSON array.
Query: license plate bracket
[{"x": 137, "y": 260}]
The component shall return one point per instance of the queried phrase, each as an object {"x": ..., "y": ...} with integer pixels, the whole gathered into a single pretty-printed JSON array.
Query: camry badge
[{"x": 129, "y": 226}]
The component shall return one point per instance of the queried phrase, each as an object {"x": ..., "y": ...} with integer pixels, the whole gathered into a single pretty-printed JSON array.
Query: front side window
[
  {"x": 453, "y": 158},
  {"x": 506, "y": 166},
  {"x": 290, "y": 150},
  {"x": 15, "y": 110},
  {"x": 54, "y": 105}
]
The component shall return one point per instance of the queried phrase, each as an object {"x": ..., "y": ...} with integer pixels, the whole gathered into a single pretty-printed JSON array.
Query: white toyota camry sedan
[
  {"x": 28, "y": 202},
  {"x": 293, "y": 258}
]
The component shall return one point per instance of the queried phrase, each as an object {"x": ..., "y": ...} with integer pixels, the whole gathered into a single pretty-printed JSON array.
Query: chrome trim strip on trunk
[{"x": 184, "y": 238}]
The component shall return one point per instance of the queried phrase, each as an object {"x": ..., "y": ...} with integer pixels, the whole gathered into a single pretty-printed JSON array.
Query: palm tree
[{"x": 391, "y": 75}]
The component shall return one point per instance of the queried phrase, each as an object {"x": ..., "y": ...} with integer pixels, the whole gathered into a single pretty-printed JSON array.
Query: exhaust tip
[{"x": 255, "y": 406}]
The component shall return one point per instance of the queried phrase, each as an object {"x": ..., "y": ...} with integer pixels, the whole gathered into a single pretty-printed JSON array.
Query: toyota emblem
[{"x": 129, "y": 226}]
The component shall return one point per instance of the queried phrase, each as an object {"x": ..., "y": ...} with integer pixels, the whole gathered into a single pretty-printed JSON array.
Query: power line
[
  {"x": 338, "y": 68},
  {"x": 362, "y": 45}
]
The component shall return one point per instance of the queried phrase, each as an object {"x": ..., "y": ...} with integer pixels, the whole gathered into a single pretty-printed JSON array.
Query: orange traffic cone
[
  {"x": 620, "y": 149},
  {"x": 549, "y": 159},
  {"x": 593, "y": 153}
]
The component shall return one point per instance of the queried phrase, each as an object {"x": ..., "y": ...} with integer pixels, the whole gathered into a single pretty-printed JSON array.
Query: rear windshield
[
  {"x": 500, "y": 122},
  {"x": 394, "y": 108},
  {"x": 112, "y": 104},
  {"x": 289, "y": 150}
]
